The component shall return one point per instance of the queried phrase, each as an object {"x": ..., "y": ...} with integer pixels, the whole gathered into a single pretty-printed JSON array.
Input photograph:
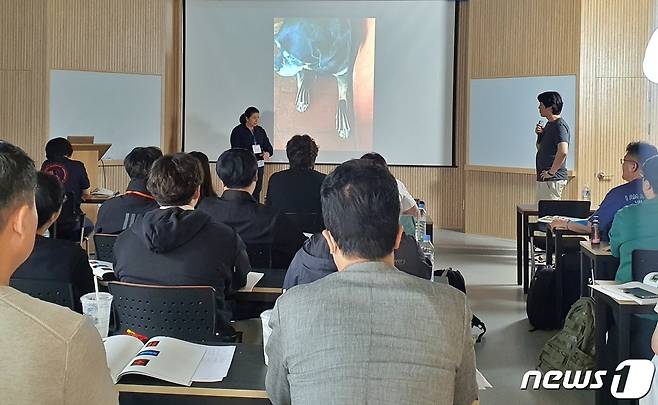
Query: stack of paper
[
  {"x": 483, "y": 384},
  {"x": 252, "y": 279}
]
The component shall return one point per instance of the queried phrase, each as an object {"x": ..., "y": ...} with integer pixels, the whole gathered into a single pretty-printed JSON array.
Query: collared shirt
[{"x": 119, "y": 213}]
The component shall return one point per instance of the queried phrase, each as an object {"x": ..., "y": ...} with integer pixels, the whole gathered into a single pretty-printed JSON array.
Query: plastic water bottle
[
  {"x": 587, "y": 193},
  {"x": 428, "y": 250},
  {"x": 596, "y": 231},
  {"x": 421, "y": 222}
]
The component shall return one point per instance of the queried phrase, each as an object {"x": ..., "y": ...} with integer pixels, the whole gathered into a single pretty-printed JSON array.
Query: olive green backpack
[{"x": 572, "y": 348}]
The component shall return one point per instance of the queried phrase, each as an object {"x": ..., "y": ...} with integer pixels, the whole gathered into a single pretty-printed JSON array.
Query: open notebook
[{"x": 167, "y": 359}]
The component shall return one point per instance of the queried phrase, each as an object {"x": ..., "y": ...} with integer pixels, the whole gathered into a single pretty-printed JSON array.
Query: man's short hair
[
  {"x": 650, "y": 172},
  {"x": 58, "y": 148},
  {"x": 302, "y": 151},
  {"x": 237, "y": 168},
  {"x": 18, "y": 178},
  {"x": 139, "y": 161},
  {"x": 361, "y": 208},
  {"x": 641, "y": 151},
  {"x": 375, "y": 157},
  {"x": 551, "y": 99},
  {"x": 49, "y": 197},
  {"x": 174, "y": 179}
]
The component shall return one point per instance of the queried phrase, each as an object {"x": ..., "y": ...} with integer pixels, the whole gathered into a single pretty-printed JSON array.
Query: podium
[{"x": 89, "y": 153}]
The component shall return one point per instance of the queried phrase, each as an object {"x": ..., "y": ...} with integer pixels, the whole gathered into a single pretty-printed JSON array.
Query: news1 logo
[{"x": 631, "y": 380}]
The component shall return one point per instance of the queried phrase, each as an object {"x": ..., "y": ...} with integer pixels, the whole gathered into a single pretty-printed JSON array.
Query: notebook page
[
  {"x": 215, "y": 364},
  {"x": 252, "y": 279}
]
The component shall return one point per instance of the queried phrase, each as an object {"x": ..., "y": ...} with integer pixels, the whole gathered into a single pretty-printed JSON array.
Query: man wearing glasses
[{"x": 620, "y": 196}]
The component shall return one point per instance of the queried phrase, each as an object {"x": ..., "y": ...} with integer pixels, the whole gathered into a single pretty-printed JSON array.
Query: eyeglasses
[{"x": 622, "y": 161}]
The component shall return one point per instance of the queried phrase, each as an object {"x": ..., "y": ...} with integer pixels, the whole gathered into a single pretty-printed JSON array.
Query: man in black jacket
[
  {"x": 118, "y": 213},
  {"x": 256, "y": 223},
  {"x": 178, "y": 245}
]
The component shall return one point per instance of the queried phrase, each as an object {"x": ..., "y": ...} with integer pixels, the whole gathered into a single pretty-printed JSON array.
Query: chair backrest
[
  {"x": 567, "y": 208},
  {"x": 56, "y": 292},
  {"x": 309, "y": 222},
  {"x": 644, "y": 262},
  {"x": 186, "y": 313},
  {"x": 105, "y": 246},
  {"x": 260, "y": 255}
]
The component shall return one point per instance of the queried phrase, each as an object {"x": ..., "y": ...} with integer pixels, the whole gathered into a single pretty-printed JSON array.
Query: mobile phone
[{"x": 640, "y": 293}]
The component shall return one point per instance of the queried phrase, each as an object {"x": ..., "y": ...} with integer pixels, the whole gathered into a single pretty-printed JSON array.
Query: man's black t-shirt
[
  {"x": 71, "y": 173},
  {"x": 554, "y": 132}
]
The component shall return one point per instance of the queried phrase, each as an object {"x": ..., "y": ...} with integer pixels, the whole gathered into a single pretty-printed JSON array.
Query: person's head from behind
[
  {"x": 207, "y": 189},
  {"x": 302, "y": 151},
  {"x": 139, "y": 161},
  {"x": 636, "y": 154},
  {"x": 49, "y": 199},
  {"x": 650, "y": 176},
  {"x": 361, "y": 210},
  {"x": 250, "y": 117},
  {"x": 376, "y": 158},
  {"x": 58, "y": 148},
  {"x": 238, "y": 170},
  {"x": 550, "y": 103},
  {"x": 18, "y": 214},
  {"x": 175, "y": 180}
]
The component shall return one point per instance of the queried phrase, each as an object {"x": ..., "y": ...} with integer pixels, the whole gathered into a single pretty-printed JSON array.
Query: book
[
  {"x": 102, "y": 270},
  {"x": 167, "y": 359}
]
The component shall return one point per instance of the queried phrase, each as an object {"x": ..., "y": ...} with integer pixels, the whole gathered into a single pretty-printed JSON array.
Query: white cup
[
  {"x": 267, "y": 331},
  {"x": 98, "y": 312}
]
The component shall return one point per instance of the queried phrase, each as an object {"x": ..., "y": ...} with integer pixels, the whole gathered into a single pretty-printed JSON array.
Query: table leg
[
  {"x": 583, "y": 272},
  {"x": 519, "y": 248},
  {"x": 526, "y": 241},
  {"x": 601, "y": 322}
]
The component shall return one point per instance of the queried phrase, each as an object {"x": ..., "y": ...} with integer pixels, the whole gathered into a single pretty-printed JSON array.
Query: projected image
[{"x": 324, "y": 81}]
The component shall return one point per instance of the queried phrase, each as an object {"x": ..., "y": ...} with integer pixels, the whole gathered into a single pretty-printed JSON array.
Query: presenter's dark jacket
[
  {"x": 241, "y": 137},
  {"x": 256, "y": 223},
  {"x": 59, "y": 260},
  {"x": 71, "y": 173},
  {"x": 313, "y": 261},
  {"x": 178, "y": 247},
  {"x": 119, "y": 213},
  {"x": 295, "y": 190}
]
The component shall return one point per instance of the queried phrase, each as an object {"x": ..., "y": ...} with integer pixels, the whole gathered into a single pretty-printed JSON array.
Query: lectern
[{"x": 89, "y": 153}]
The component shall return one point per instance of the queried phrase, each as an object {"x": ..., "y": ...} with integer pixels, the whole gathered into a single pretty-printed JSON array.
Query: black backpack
[
  {"x": 455, "y": 279},
  {"x": 542, "y": 306}
]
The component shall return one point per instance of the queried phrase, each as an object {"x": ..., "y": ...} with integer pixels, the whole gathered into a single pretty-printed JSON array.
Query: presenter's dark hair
[
  {"x": 551, "y": 99},
  {"x": 641, "y": 151},
  {"x": 49, "y": 197},
  {"x": 58, "y": 148},
  {"x": 237, "y": 168},
  {"x": 361, "y": 208},
  {"x": 302, "y": 151},
  {"x": 650, "y": 172},
  {"x": 375, "y": 157},
  {"x": 139, "y": 161},
  {"x": 207, "y": 189},
  {"x": 248, "y": 113},
  {"x": 18, "y": 178},
  {"x": 174, "y": 179}
]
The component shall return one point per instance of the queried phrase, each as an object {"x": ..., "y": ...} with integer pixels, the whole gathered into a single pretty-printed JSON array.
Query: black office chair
[
  {"x": 309, "y": 222},
  {"x": 643, "y": 263},
  {"x": 260, "y": 255},
  {"x": 105, "y": 246},
  {"x": 56, "y": 292},
  {"x": 182, "y": 312}
]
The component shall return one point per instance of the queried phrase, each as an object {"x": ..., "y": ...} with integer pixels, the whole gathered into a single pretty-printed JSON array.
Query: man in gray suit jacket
[{"x": 369, "y": 334}]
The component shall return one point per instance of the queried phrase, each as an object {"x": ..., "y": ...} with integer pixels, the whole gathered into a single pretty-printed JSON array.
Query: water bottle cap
[
  {"x": 421, "y": 205},
  {"x": 426, "y": 238}
]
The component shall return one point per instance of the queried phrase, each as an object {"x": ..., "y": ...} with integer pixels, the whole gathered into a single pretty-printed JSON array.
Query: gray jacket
[{"x": 371, "y": 335}]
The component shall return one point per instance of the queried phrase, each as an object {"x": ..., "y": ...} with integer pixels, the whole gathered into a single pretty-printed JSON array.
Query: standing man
[{"x": 552, "y": 148}]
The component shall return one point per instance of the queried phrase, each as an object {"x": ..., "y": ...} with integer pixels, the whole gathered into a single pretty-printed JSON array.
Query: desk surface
[
  {"x": 95, "y": 200},
  {"x": 245, "y": 379},
  {"x": 527, "y": 209},
  {"x": 640, "y": 308},
  {"x": 603, "y": 249}
]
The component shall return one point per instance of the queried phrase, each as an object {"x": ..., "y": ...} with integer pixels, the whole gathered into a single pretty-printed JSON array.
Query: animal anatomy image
[{"x": 307, "y": 48}]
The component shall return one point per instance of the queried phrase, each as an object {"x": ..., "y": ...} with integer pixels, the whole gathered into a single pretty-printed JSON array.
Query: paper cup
[
  {"x": 267, "y": 331},
  {"x": 98, "y": 312}
]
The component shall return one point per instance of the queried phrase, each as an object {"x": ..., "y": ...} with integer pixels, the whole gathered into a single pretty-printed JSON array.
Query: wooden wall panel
[{"x": 21, "y": 29}]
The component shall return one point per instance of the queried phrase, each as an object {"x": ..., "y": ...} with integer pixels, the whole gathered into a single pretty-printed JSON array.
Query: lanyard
[{"x": 137, "y": 193}]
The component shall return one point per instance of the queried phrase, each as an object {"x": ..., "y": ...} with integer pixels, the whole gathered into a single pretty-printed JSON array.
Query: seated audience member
[
  {"x": 298, "y": 188},
  {"x": 256, "y": 223},
  {"x": 636, "y": 226},
  {"x": 118, "y": 213},
  {"x": 55, "y": 259},
  {"x": 50, "y": 354},
  {"x": 357, "y": 336},
  {"x": 620, "y": 196},
  {"x": 73, "y": 175},
  {"x": 407, "y": 203},
  {"x": 314, "y": 261},
  {"x": 207, "y": 189},
  {"x": 177, "y": 245}
]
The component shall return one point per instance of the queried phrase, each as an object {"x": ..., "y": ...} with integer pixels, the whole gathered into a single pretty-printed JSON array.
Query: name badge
[
  {"x": 256, "y": 149},
  {"x": 261, "y": 163}
]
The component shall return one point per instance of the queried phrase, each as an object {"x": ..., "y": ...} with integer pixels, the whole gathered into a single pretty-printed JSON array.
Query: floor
[{"x": 508, "y": 349}]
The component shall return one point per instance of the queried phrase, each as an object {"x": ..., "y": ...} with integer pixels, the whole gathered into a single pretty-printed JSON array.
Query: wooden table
[
  {"x": 597, "y": 263},
  {"x": 620, "y": 312},
  {"x": 523, "y": 213},
  {"x": 244, "y": 384}
]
